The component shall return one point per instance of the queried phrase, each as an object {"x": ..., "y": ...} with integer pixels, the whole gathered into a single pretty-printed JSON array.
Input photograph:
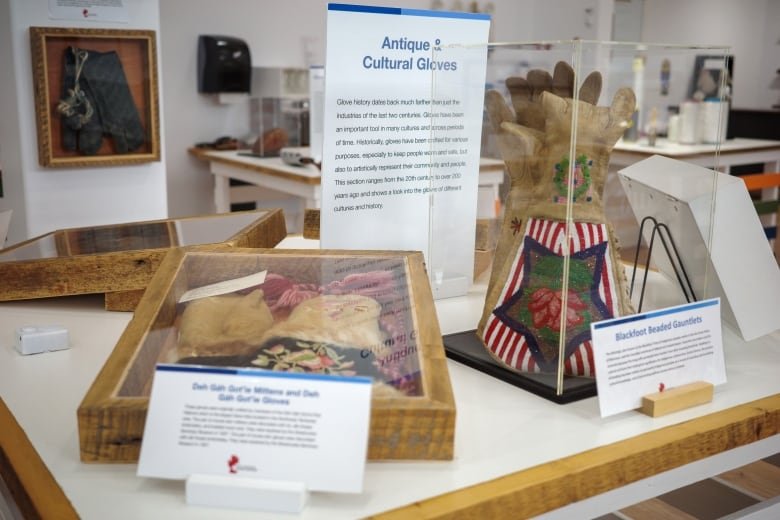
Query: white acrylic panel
[{"x": 737, "y": 263}]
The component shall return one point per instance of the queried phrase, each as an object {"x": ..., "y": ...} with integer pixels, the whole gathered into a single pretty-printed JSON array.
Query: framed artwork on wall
[
  {"x": 96, "y": 99},
  {"x": 707, "y": 80}
]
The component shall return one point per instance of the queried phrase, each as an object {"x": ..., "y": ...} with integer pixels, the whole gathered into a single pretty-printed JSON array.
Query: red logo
[
  {"x": 232, "y": 461},
  {"x": 85, "y": 12}
]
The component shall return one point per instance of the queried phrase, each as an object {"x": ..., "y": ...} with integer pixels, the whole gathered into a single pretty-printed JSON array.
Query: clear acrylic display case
[
  {"x": 558, "y": 114},
  {"x": 278, "y": 122}
]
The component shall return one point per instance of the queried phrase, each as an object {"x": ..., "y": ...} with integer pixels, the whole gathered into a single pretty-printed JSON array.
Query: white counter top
[
  {"x": 500, "y": 429},
  {"x": 678, "y": 150}
]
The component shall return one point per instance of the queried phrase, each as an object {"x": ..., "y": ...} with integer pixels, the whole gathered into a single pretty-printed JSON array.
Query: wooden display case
[
  {"x": 342, "y": 312},
  {"x": 119, "y": 260}
]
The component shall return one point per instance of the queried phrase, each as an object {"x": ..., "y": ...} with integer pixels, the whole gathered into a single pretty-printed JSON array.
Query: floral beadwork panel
[
  {"x": 524, "y": 330},
  {"x": 327, "y": 315}
]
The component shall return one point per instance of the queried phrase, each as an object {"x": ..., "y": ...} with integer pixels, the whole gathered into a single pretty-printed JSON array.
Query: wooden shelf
[{"x": 543, "y": 488}]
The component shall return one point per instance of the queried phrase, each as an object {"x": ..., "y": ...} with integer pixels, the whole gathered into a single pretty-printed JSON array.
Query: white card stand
[
  {"x": 246, "y": 493},
  {"x": 738, "y": 265}
]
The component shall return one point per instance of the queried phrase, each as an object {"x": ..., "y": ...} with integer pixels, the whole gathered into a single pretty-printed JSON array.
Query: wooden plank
[
  {"x": 259, "y": 166},
  {"x": 122, "y": 300},
  {"x": 653, "y": 509},
  {"x": 32, "y": 486},
  {"x": 82, "y": 274},
  {"x": 561, "y": 482},
  {"x": 482, "y": 262},
  {"x": 200, "y": 153},
  {"x": 101, "y": 259},
  {"x": 676, "y": 399},
  {"x": 268, "y": 232},
  {"x": 759, "y": 478},
  {"x": 708, "y": 499},
  {"x": 487, "y": 233},
  {"x": 311, "y": 224}
]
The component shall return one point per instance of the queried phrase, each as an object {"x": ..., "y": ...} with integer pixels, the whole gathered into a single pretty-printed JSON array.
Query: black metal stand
[{"x": 673, "y": 255}]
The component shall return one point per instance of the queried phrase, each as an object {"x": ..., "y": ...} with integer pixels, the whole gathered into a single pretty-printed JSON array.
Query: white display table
[
  {"x": 732, "y": 152},
  {"x": 501, "y": 432},
  {"x": 272, "y": 179}
]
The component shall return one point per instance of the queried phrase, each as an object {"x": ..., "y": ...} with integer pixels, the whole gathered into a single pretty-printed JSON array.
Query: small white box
[
  {"x": 36, "y": 339},
  {"x": 246, "y": 493},
  {"x": 295, "y": 155}
]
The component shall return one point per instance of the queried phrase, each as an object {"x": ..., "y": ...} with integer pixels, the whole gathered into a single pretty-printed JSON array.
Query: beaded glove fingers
[{"x": 597, "y": 131}]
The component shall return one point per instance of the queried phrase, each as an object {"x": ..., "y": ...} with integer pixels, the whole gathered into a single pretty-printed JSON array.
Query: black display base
[{"x": 467, "y": 348}]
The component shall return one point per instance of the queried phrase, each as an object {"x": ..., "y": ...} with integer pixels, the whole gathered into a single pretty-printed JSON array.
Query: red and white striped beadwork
[{"x": 516, "y": 344}]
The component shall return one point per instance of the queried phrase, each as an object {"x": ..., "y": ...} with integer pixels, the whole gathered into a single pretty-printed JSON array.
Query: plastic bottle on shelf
[{"x": 689, "y": 119}]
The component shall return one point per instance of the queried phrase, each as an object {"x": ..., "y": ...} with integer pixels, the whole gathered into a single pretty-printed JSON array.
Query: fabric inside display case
[
  {"x": 343, "y": 313},
  {"x": 338, "y": 316}
]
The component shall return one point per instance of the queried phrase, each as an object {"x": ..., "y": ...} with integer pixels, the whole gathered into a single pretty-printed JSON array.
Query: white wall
[
  {"x": 285, "y": 34},
  {"x": 44, "y": 199},
  {"x": 770, "y": 57},
  {"x": 627, "y": 21},
  {"x": 566, "y": 20},
  {"x": 749, "y": 27},
  {"x": 10, "y": 140},
  {"x": 291, "y": 33},
  {"x": 275, "y": 33}
]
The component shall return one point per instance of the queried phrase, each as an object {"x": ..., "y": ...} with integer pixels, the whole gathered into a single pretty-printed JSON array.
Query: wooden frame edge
[
  {"x": 437, "y": 405},
  {"x": 30, "y": 482},
  {"x": 561, "y": 482},
  {"x": 123, "y": 274}
]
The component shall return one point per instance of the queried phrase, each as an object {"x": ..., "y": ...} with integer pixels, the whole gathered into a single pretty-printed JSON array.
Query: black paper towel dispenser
[{"x": 224, "y": 64}]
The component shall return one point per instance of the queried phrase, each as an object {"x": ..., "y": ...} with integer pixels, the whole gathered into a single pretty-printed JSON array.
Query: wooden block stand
[{"x": 676, "y": 399}]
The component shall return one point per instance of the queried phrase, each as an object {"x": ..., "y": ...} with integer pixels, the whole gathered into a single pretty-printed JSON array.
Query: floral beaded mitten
[{"x": 527, "y": 306}]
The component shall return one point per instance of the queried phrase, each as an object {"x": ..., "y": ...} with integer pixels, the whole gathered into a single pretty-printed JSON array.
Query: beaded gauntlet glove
[{"x": 527, "y": 305}]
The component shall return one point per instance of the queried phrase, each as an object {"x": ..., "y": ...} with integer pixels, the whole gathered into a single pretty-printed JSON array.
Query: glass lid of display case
[
  {"x": 184, "y": 231},
  {"x": 310, "y": 314}
]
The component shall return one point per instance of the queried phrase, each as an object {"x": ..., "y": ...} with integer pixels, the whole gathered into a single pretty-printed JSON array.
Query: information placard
[
  {"x": 392, "y": 140},
  {"x": 645, "y": 353},
  {"x": 89, "y": 10},
  {"x": 285, "y": 426}
]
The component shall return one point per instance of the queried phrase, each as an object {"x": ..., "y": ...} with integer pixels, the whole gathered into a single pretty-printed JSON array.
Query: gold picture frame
[{"x": 96, "y": 100}]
